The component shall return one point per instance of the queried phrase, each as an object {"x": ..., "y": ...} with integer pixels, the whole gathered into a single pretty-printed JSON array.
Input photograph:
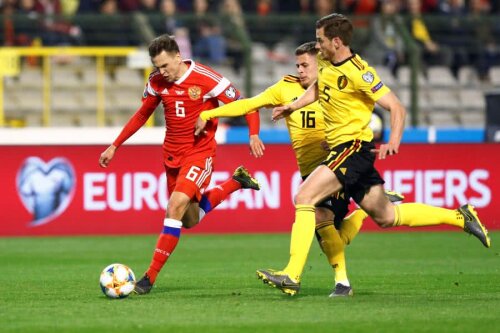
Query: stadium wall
[{"x": 59, "y": 189}]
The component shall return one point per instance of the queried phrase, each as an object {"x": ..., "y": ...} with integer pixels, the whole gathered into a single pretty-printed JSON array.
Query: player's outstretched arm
[
  {"x": 281, "y": 112},
  {"x": 234, "y": 109},
  {"x": 309, "y": 96},
  {"x": 107, "y": 156},
  {"x": 135, "y": 122},
  {"x": 256, "y": 145}
]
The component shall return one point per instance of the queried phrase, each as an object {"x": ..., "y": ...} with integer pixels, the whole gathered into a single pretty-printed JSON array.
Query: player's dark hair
[
  {"x": 336, "y": 25},
  {"x": 163, "y": 43},
  {"x": 309, "y": 48}
]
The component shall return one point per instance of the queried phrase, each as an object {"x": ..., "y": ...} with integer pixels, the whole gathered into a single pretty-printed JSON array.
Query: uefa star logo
[{"x": 45, "y": 189}]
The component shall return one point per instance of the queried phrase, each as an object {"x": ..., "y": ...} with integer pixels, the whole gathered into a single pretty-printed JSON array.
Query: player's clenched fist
[
  {"x": 281, "y": 112},
  {"x": 107, "y": 156}
]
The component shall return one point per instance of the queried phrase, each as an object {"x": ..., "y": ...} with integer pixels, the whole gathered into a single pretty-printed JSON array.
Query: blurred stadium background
[
  {"x": 83, "y": 63},
  {"x": 73, "y": 72}
]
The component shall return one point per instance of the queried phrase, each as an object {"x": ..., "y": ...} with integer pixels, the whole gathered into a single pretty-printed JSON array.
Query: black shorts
[
  {"x": 338, "y": 204},
  {"x": 353, "y": 164}
]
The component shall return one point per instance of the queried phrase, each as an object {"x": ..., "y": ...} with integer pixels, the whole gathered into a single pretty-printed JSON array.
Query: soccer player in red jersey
[{"x": 185, "y": 89}]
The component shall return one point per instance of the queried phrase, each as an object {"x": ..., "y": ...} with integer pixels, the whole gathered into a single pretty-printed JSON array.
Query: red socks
[
  {"x": 168, "y": 239},
  {"x": 217, "y": 194},
  {"x": 165, "y": 246}
]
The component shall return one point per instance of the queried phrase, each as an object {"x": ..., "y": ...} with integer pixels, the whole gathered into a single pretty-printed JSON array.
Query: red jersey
[{"x": 199, "y": 89}]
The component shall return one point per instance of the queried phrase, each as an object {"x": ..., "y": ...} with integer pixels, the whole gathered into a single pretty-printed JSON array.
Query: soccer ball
[{"x": 117, "y": 281}]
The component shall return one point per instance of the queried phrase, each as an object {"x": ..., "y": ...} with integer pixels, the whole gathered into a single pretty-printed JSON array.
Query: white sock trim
[
  {"x": 343, "y": 282},
  {"x": 201, "y": 214},
  {"x": 173, "y": 223}
]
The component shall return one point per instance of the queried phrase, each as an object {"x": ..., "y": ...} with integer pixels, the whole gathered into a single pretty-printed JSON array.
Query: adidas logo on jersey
[{"x": 164, "y": 91}]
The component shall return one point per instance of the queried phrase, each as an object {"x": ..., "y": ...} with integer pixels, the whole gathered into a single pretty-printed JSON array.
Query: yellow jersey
[
  {"x": 306, "y": 126},
  {"x": 347, "y": 92}
]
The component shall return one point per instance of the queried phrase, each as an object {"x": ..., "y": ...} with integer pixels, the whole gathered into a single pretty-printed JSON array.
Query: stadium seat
[
  {"x": 443, "y": 118},
  {"x": 63, "y": 77},
  {"x": 87, "y": 119},
  {"x": 473, "y": 119},
  {"x": 126, "y": 77},
  {"x": 73, "y": 120},
  {"x": 386, "y": 76},
  {"x": 117, "y": 119},
  {"x": 440, "y": 76},
  {"x": 11, "y": 104},
  {"x": 494, "y": 75},
  {"x": 89, "y": 77},
  {"x": 283, "y": 52},
  {"x": 88, "y": 97},
  {"x": 30, "y": 100},
  {"x": 404, "y": 76},
  {"x": 229, "y": 73},
  {"x": 64, "y": 120},
  {"x": 443, "y": 99},
  {"x": 422, "y": 119},
  {"x": 265, "y": 117},
  {"x": 472, "y": 99},
  {"x": 260, "y": 53},
  {"x": 31, "y": 109},
  {"x": 30, "y": 77},
  {"x": 65, "y": 101},
  {"x": 263, "y": 81},
  {"x": 280, "y": 70},
  {"x": 404, "y": 95},
  {"x": 89, "y": 100},
  {"x": 33, "y": 120},
  {"x": 123, "y": 100},
  {"x": 467, "y": 77}
]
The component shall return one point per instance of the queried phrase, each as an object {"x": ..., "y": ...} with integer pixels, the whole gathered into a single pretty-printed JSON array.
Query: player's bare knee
[
  {"x": 301, "y": 199},
  {"x": 383, "y": 222}
]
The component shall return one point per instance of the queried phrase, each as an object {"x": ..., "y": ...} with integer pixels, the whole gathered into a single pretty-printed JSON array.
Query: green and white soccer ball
[{"x": 117, "y": 281}]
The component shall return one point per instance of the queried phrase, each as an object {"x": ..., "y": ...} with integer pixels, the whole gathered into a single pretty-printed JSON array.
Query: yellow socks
[
  {"x": 350, "y": 226},
  {"x": 333, "y": 242},
  {"x": 420, "y": 215},
  {"x": 300, "y": 243},
  {"x": 333, "y": 247}
]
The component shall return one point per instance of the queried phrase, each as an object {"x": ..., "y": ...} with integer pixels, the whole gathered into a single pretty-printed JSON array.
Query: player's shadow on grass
[{"x": 326, "y": 292}]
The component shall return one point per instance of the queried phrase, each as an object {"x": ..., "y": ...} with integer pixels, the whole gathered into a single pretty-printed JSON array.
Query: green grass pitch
[{"x": 403, "y": 282}]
